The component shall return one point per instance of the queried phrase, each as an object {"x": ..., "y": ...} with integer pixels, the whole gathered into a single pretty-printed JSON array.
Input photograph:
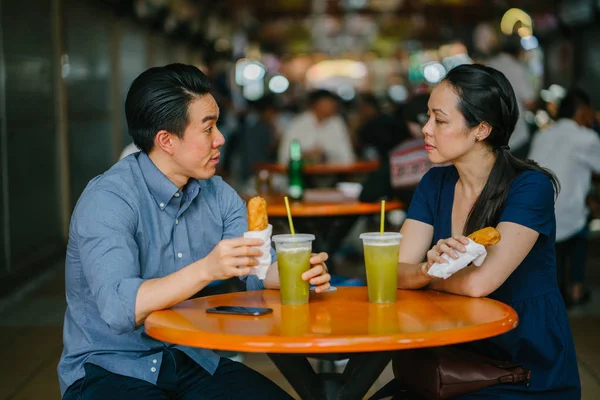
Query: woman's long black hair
[{"x": 485, "y": 95}]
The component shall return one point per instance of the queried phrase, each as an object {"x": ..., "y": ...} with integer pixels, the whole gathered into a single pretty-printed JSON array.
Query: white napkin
[
  {"x": 261, "y": 269},
  {"x": 475, "y": 254}
]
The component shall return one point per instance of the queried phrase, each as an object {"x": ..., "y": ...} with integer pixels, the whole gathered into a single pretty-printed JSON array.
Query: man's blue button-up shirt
[{"x": 131, "y": 224}]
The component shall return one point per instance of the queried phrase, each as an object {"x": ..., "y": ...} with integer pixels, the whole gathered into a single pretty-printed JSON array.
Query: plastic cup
[
  {"x": 293, "y": 259},
  {"x": 381, "y": 262}
]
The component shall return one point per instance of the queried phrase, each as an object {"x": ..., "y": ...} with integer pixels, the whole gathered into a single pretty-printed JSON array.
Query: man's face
[
  {"x": 326, "y": 108},
  {"x": 196, "y": 154}
]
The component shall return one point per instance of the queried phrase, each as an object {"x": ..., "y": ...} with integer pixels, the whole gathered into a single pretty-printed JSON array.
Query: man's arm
[
  {"x": 105, "y": 226},
  {"x": 221, "y": 263}
]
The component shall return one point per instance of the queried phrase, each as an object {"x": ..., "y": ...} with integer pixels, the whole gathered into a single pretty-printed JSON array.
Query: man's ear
[{"x": 164, "y": 140}]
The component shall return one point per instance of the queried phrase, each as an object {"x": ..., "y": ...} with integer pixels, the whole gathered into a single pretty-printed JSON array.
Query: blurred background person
[
  {"x": 321, "y": 131},
  {"x": 572, "y": 151},
  {"x": 260, "y": 139},
  {"x": 403, "y": 166},
  {"x": 378, "y": 130},
  {"x": 507, "y": 61}
]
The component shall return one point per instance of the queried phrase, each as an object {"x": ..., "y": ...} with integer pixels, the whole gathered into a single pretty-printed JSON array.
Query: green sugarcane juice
[
  {"x": 381, "y": 261},
  {"x": 292, "y": 263}
]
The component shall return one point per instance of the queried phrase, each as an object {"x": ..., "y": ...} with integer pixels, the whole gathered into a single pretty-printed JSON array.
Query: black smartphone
[{"x": 254, "y": 311}]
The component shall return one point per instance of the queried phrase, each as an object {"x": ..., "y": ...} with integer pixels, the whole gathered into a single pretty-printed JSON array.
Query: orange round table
[
  {"x": 338, "y": 322},
  {"x": 360, "y": 167}
]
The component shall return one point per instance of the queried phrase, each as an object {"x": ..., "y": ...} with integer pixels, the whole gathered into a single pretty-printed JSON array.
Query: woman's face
[{"x": 447, "y": 136}]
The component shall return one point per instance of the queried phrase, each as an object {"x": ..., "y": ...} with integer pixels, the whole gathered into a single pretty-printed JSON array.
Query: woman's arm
[
  {"x": 415, "y": 242},
  {"x": 502, "y": 259}
]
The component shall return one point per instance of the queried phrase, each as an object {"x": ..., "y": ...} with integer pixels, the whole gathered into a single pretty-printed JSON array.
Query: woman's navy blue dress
[{"x": 543, "y": 341}]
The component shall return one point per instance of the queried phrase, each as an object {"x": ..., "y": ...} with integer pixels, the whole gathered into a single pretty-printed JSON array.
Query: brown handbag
[{"x": 445, "y": 372}]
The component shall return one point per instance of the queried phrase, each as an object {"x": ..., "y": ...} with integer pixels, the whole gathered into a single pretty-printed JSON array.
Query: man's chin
[{"x": 206, "y": 173}]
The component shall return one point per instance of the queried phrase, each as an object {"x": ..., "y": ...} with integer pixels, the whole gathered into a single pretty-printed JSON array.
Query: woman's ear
[{"x": 482, "y": 131}]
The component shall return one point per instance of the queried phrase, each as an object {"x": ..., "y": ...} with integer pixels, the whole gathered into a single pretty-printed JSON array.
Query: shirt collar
[{"x": 161, "y": 188}]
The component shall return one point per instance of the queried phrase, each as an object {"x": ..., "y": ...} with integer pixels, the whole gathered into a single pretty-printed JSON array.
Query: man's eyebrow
[
  {"x": 438, "y": 110},
  {"x": 210, "y": 118}
]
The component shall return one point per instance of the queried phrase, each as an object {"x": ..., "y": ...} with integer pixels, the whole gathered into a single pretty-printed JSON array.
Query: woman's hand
[{"x": 449, "y": 246}]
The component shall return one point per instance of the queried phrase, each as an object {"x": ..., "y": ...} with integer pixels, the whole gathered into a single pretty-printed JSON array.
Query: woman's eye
[
  {"x": 209, "y": 130},
  {"x": 438, "y": 121}
]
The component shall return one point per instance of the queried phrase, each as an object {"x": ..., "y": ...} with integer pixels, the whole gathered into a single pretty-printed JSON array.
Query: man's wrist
[
  {"x": 201, "y": 273},
  {"x": 270, "y": 285},
  {"x": 271, "y": 281}
]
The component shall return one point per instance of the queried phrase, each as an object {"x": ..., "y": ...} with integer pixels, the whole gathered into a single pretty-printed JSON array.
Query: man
[
  {"x": 148, "y": 234},
  {"x": 507, "y": 62},
  {"x": 322, "y": 133},
  {"x": 572, "y": 151}
]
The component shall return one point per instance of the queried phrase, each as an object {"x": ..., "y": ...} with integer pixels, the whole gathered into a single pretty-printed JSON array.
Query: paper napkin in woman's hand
[{"x": 475, "y": 254}]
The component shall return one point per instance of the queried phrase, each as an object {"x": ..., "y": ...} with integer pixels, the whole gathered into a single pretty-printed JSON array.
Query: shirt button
[
  {"x": 162, "y": 205},
  {"x": 179, "y": 255},
  {"x": 153, "y": 369},
  {"x": 154, "y": 361},
  {"x": 177, "y": 194},
  {"x": 177, "y": 221}
]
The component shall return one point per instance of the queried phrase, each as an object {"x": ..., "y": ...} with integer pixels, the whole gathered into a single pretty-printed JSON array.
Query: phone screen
[{"x": 239, "y": 310}]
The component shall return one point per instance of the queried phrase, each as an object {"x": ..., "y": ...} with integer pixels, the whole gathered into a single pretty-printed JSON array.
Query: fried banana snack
[
  {"x": 258, "y": 220},
  {"x": 486, "y": 236}
]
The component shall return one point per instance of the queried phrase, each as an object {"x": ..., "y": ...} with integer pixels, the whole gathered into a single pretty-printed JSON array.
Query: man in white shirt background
[
  {"x": 321, "y": 131},
  {"x": 572, "y": 151}
]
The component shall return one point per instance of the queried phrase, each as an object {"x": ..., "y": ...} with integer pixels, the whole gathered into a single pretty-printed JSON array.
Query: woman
[{"x": 472, "y": 114}]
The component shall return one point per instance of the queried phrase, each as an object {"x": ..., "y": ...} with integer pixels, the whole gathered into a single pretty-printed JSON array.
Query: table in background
[
  {"x": 332, "y": 323},
  {"x": 360, "y": 167}
]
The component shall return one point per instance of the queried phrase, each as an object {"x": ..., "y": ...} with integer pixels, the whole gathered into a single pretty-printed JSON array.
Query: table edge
[{"x": 298, "y": 345}]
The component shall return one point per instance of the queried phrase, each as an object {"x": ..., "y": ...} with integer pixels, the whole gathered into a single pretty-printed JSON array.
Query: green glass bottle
[{"x": 295, "y": 173}]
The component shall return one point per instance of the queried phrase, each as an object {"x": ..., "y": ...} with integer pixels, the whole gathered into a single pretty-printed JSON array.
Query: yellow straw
[
  {"x": 382, "y": 217},
  {"x": 287, "y": 207}
]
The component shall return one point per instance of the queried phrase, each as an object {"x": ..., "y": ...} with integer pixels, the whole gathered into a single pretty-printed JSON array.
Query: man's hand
[
  {"x": 223, "y": 262},
  {"x": 317, "y": 275}
]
